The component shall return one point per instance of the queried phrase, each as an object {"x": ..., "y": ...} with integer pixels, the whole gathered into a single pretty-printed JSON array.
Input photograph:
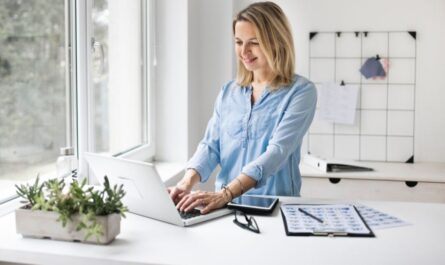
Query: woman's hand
[
  {"x": 178, "y": 192},
  {"x": 184, "y": 187},
  {"x": 207, "y": 200}
]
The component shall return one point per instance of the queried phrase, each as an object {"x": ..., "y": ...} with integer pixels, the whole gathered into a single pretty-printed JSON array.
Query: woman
[{"x": 259, "y": 121}]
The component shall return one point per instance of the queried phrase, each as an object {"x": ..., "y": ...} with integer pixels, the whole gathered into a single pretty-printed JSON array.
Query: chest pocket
[
  {"x": 260, "y": 125},
  {"x": 233, "y": 125}
]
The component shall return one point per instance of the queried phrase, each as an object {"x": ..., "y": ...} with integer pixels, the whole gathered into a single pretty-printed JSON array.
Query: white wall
[
  {"x": 194, "y": 61},
  {"x": 171, "y": 80},
  {"x": 425, "y": 17},
  {"x": 210, "y": 64},
  {"x": 201, "y": 59}
]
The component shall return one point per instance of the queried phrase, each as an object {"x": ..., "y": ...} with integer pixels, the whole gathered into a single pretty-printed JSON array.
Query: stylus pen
[{"x": 311, "y": 215}]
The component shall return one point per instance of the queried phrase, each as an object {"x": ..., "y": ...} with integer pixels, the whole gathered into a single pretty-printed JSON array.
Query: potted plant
[{"x": 73, "y": 213}]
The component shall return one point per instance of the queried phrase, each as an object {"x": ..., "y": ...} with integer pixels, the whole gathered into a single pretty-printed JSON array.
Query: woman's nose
[{"x": 245, "y": 50}]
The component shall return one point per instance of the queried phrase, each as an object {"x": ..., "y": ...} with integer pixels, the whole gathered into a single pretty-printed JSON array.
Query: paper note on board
[{"x": 337, "y": 103}]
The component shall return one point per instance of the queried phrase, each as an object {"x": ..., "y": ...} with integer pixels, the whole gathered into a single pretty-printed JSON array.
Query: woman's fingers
[
  {"x": 176, "y": 194},
  {"x": 194, "y": 204},
  {"x": 172, "y": 191},
  {"x": 185, "y": 201},
  {"x": 207, "y": 200},
  {"x": 188, "y": 202}
]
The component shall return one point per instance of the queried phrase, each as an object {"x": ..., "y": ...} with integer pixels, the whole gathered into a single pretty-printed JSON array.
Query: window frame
[
  {"x": 83, "y": 132},
  {"x": 146, "y": 152}
]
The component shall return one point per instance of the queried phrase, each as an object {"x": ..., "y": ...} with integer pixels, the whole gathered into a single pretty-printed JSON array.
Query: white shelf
[{"x": 424, "y": 172}]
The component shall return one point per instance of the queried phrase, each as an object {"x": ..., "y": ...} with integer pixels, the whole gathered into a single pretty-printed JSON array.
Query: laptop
[{"x": 146, "y": 194}]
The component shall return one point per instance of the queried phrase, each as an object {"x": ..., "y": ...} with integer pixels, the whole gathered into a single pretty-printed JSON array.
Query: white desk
[
  {"x": 419, "y": 182},
  {"x": 145, "y": 241}
]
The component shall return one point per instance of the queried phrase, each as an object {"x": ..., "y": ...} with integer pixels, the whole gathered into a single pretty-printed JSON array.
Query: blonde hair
[{"x": 275, "y": 38}]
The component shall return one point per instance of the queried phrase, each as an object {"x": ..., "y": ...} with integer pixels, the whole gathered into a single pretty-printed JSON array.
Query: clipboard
[{"x": 324, "y": 220}]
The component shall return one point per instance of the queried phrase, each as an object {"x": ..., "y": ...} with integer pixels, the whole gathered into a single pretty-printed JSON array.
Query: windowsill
[
  {"x": 9, "y": 206},
  {"x": 170, "y": 173}
]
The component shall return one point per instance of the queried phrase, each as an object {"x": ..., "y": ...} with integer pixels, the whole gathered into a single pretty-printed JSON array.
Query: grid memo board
[{"x": 383, "y": 129}]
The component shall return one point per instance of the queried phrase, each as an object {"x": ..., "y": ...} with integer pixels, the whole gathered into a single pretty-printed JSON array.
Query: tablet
[{"x": 253, "y": 204}]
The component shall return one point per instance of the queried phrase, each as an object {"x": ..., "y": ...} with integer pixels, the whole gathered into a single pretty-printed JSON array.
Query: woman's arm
[
  {"x": 205, "y": 158},
  {"x": 207, "y": 154}
]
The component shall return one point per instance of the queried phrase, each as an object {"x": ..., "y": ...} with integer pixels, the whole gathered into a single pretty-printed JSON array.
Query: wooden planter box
[{"x": 44, "y": 224}]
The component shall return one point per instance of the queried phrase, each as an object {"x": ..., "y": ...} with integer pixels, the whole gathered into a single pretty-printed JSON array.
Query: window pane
[
  {"x": 32, "y": 88},
  {"x": 117, "y": 75}
]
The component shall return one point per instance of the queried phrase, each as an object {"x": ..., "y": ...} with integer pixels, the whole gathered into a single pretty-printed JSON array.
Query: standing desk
[{"x": 147, "y": 241}]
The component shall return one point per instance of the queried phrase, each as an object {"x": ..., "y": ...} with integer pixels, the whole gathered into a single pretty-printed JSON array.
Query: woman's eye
[{"x": 238, "y": 43}]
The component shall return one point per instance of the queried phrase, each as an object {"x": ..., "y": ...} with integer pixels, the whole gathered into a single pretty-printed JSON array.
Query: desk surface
[{"x": 146, "y": 241}]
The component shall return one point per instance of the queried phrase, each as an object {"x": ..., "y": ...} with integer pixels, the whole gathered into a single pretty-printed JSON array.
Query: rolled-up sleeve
[
  {"x": 207, "y": 154},
  {"x": 287, "y": 137}
]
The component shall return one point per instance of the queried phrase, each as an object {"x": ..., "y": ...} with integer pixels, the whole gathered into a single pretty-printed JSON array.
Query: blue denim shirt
[{"x": 262, "y": 140}]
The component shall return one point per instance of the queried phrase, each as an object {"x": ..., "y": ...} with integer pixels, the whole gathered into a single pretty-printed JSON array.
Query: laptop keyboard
[{"x": 191, "y": 214}]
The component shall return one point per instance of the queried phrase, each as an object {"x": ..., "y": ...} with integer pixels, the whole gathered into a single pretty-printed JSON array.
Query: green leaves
[
  {"x": 53, "y": 195},
  {"x": 30, "y": 193}
]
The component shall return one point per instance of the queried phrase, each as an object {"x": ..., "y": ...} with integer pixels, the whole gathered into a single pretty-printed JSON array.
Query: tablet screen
[{"x": 253, "y": 201}]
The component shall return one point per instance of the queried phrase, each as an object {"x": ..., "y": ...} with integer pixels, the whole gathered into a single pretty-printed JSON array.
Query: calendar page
[{"x": 326, "y": 219}]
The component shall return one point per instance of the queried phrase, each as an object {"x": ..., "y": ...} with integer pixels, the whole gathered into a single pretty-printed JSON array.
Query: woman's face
[{"x": 247, "y": 47}]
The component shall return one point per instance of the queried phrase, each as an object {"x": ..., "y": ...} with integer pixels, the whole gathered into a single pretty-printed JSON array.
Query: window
[
  {"x": 33, "y": 89},
  {"x": 119, "y": 92},
  {"x": 72, "y": 73}
]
